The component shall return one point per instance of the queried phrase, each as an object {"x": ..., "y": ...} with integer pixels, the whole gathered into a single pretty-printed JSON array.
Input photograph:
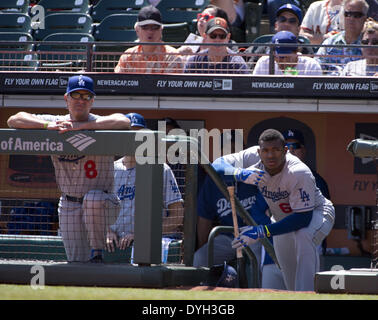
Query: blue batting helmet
[
  {"x": 136, "y": 119},
  {"x": 229, "y": 277},
  {"x": 222, "y": 275}
]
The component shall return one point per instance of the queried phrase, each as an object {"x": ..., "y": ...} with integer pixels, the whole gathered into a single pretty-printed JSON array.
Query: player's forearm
[
  {"x": 291, "y": 223},
  {"x": 24, "y": 120},
  {"x": 116, "y": 121}
]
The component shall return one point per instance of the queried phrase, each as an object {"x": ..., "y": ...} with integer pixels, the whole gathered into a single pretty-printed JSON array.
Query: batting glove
[
  {"x": 249, "y": 236},
  {"x": 247, "y": 176}
]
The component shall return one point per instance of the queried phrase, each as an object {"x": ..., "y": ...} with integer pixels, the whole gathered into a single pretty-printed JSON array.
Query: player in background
[
  {"x": 86, "y": 182},
  {"x": 296, "y": 144},
  {"x": 121, "y": 233},
  {"x": 302, "y": 216}
]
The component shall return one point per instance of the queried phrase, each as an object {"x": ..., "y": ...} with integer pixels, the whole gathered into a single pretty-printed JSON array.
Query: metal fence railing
[{"x": 104, "y": 57}]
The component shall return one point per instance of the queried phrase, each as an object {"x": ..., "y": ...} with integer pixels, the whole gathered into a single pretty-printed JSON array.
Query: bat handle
[{"x": 231, "y": 192}]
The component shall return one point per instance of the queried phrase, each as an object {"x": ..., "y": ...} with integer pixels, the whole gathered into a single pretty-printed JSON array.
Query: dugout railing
[{"x": 35, "y": 233}]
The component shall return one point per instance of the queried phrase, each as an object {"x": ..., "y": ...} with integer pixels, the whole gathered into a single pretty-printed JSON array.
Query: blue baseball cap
[
  {"x": 292, "y": 8},
  {"x": 284, "y": 37},
  {"x": 80, "y": 82},
  {"x": 136, "y": 120},
  {"x": 294, "y": 134}
]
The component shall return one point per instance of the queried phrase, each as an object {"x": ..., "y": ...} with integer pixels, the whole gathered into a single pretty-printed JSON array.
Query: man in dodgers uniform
[
  {"x": 86, "y": 182},
  {"x": 121, "y": 233},
  {"x": 302, "y": 217}
]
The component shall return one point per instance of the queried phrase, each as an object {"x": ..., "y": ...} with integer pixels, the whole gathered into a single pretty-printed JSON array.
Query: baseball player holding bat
[
  {"x": 301, "y": 216},
  {"x": 86, "y": 182}
]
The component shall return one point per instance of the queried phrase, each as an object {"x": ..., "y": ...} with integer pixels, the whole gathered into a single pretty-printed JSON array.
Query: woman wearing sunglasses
[
  {"x": 217, "y": 58},
  {"x": 369, "y": 65},
  {"x": 203, "y": 18}
]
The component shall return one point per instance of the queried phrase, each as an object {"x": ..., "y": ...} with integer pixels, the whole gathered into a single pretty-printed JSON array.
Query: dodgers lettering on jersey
[
  {"x": 124, "y": 187},
  {"x": 291, "y": 190},
  {"x": 126, "y": 192},
  {"x": 224, "y": 206},
  {"x": 274, "y": 195}
]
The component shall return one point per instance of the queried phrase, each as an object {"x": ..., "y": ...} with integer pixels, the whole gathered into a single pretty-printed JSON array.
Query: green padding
[
  {"x": 51, "y": 248},
  {"x": 32, "y": 247}
]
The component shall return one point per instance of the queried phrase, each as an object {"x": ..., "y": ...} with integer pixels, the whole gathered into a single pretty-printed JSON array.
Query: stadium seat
[
  {"x": 15, "y": 36},
  {"x": 116, "y": 27},
  {"x": 70, "y": 37},
  {"x": 17, "y": 6},
  {"x": 174, "y": 11},
  {"x": 253, "y": 15},
  {"x": 15, "y": 22},
  {"x": 64, "y": 6},
  {"x": 64, "y": 23},
  {"x": 176, "y": 32},
  {"x": 106, "y": 8},
  {"x": 18, "y": 61},
  {"x": 67, "y": 53}
]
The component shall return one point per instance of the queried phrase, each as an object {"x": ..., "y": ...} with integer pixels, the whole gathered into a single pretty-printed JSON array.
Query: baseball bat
[
  {"x": 242, "y": 276},
  {"x": 205, "y": 163},
  {"x": 240, "y": 209}
]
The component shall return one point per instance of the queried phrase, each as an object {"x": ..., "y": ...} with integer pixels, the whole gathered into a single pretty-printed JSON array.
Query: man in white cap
[
  {"x": 145, "y": 58},
  {"x": 86, "y": 181}
]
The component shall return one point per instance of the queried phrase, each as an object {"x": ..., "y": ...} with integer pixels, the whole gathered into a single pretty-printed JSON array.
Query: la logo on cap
[
  {"x": 81, "y": 81},
  {"x": 290, "y": 133}
]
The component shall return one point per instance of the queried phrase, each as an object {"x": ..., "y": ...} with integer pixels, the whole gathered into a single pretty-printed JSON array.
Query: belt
[
  {"x": 78, "y": 200},
  {"x": 74, "y": 199}
]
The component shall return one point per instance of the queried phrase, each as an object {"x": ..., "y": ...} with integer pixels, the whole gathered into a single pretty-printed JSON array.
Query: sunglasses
[
  {"x": 283, "y": 19},
  {"x": 152, "y": 27},
  {"x": 374, "y": 42},
  {"x": 204, "y": 16},
  {"x": 354, "y": 14},
  {"x": 221, "y": 36},
  {"x": 85, "y": 96},
  {"x": 294, "y": 145}
]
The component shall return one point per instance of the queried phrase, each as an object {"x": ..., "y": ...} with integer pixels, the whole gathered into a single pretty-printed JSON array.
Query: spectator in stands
[
  {"x": 369, "y": 65},
  {"x": 333, "y": 59},
  {"x": 286, "y": 59},
  {"x": 121, "y": 233},
  {"x": 146, "y": 58},
  {"x": 87, "y": 201},
  {"x": 273, "y": 6},
  {"x": 234, "y": 10},
  {"x": 288, "y": 18},
  {"x": 216, "y": 59},
  {"x": 322, "y": 20},
  {"x": 209, "y": 13}
]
